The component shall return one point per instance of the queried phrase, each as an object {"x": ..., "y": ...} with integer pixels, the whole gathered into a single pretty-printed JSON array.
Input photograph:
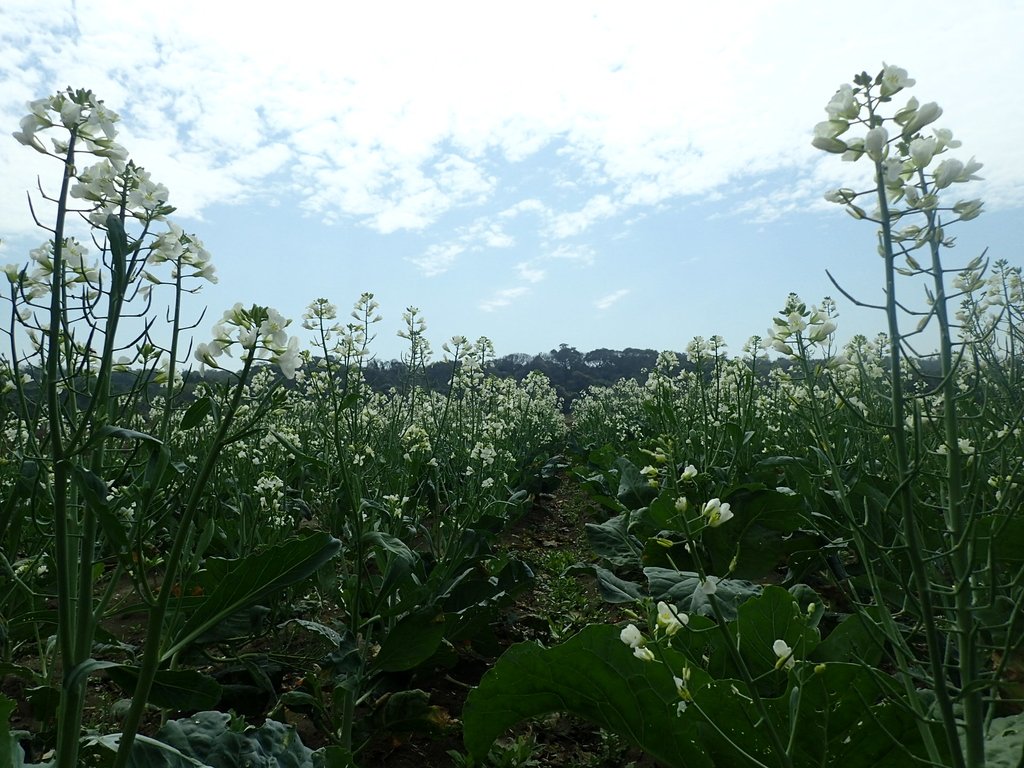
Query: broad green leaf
[
  {"x": 612, "y": 588},
  {"x": 612, "y": 541},
  {"x": 1004, "y": 742},
  {"x": 764, "y": 533},
  {"x": 183, "y": 689},
  {"x": 254, "y": 577},
  {"x": 77, "y": 675},
  {"x": 634, "y": 491},
  {"x": 330, "y": 636},
  {"x": 208, "y": 738},
  {"x": 413, "y": 640},
  {"x": 830, "y": 715},
  {"x": 682, "y": 589},
  {"x": 593, "y": 675},
  {"x": 855, "y": 639},
  {"x": 772, "y": 615}
]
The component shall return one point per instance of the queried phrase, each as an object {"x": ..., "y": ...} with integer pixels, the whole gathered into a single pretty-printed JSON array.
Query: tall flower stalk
[
  {"x": 68, "y": 330},
  {"x": 909, "y": 188}
]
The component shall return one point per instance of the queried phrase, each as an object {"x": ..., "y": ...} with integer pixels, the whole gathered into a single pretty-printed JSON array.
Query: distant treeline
[{"x": 570, "y": 371}]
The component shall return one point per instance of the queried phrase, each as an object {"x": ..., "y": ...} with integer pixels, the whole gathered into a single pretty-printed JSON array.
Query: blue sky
[{"x": 538, "y": 173}]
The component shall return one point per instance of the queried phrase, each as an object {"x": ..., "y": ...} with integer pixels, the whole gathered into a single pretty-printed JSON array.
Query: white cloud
[
  {"x": 529, "y": 273},
  {"x": 482, "y": 234},
  {"x": 396, "y": 125},
  {"x": 502, "y": 298},
  {"x": 582, "y": 254},
  {"x": 607, "y": 301},
  {"x": 576, "y": 222},
  {"x": 438, "y": 258},
  {"x": 523, "y": 206}
]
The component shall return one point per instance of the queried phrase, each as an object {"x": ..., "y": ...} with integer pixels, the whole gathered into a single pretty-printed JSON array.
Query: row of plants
[
  {"x": 278, "y": 538},
  {"x": 823, "y": 562}
]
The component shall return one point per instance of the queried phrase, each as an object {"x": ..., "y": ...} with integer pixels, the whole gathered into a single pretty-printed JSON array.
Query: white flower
[
  {"x": 952, "y": 170},
  {"x": 894, "y": 79},
  {"x": 717, "y": 513},
  {"x": 207, "y": 354},
  {"x": 709, "y": 585},
  {"x": 843, "y": 104},
  {"x": 289, "y": 360},
  {"x": 643, "y": 653},
  {"x": 968, "y": 209},
  {"x": 785, "y": 654},
  {"x": 892, "y": 172},
  {"x": 27, "y": 135},
  {"x": 689, "y": 473},
  {"x": 944, "y": 137},
  {"x": 825, "y": 135},
  {"x": 632, "y": 636},
  {"x": 670, "y": 620},
  {"x": 841, "y": 196}
]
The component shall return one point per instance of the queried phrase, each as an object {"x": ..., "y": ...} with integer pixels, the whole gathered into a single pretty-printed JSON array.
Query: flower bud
[
  {"x": 927, "y": 114},
  {"x": 875, "y": 142},
  {"x": 922, "y": 151}
]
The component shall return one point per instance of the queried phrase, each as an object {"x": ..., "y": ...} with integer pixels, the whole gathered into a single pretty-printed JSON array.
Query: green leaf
[
  {"x": 1004, "y": 742},
  {"x": 764, "y": 533},
  {"x": 330, "y": 637},
  {"x": 773, "y": 615},
  {"x": 682, "y": 588},
  {"x": 184, "y": 689},
  {"x": 611, "y": 588},
  {"x": 208, "y": 738},
  {"x": 612, "y": 541},
  {"x": 86, "y": 668},
  {"x": 593, "y": 675},
  {"x": 108, "y": 430},
  {"x": 413, "y": 640},
  {"x": 196, "y": 413},
  {"x": 253, "y": 577},
  {"x": 634, "y": 491},
  {"x": 94, "y": 492},
  {"x": 855, "y": 639}
]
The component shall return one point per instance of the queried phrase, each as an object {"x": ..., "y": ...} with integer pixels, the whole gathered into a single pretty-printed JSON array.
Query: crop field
[{"x": 237, "y": 552}]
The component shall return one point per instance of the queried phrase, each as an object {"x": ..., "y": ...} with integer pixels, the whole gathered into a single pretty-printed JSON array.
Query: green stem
[
  {"x": 154, "y": 630},
  {"x": 904, "y": 495},
  {"x": 961, "y": 550},
  {"x": 66, "y": 528}
]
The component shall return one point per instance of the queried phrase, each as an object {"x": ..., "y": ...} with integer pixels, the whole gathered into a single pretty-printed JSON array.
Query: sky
[{"x": 599, "y": 174}]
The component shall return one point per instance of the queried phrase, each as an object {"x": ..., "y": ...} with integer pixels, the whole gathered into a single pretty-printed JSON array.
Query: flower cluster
[
  {"x": 81, "y": 113},
  {"x": 798, "y": 325},
  {"x": 183, "y": 251},
  {"x": 260, "y": 329},
  {"x": 902, "y": 154}
]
